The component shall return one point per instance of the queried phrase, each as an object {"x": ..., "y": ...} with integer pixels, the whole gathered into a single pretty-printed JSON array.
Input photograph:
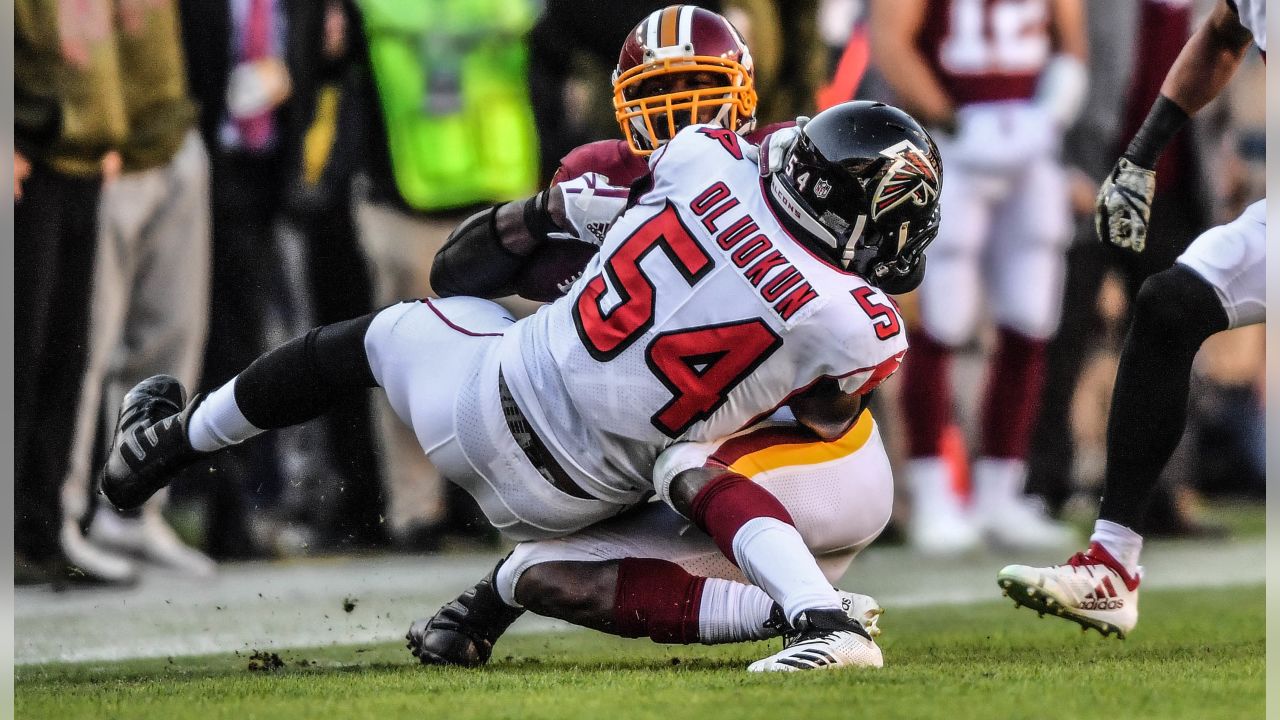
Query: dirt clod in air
[{"x": 263, "y": 661}]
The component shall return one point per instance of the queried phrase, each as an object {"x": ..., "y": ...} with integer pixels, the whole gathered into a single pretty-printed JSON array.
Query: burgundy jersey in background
[{"x": 986, "y": 50}]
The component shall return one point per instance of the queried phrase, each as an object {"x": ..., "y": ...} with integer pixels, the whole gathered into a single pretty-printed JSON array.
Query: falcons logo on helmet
[{"x": 911, "y": 175}]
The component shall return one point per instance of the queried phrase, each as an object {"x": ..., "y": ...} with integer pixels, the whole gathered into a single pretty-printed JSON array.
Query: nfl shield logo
[{"x": 822, "y": 188}]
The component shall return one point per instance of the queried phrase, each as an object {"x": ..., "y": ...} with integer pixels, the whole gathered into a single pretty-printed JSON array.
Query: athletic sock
[
  {"x": 657, "y": 599},
  {"x": 218, "y": 422},
  {"x": 1124, "y": 544},
  {"x": 733, "y": 612},
  {"x": 753, "y": 529}
]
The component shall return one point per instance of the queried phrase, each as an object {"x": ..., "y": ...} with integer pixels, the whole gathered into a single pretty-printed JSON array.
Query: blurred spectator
[
  {"x": 317, "y": 235},
  {"x": 451, "y": 129},
  {"x": 149, "y": 307},
  {"x": 68, "y": 114},
  {"x": 253, "y": 66},
  {"x": 996, "y": 91}
]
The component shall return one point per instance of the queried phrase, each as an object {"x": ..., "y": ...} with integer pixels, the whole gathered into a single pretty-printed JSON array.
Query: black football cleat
[
  {"x": 464, "y": 631},
  {"x": 150, "y": 444}
]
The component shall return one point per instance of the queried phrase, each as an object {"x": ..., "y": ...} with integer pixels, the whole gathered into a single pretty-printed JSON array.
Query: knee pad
[{"x": 1178, "y": 304}]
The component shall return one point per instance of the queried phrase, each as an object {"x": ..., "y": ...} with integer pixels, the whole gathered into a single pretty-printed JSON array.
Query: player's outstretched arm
[{"x": 1202, "y": 70}]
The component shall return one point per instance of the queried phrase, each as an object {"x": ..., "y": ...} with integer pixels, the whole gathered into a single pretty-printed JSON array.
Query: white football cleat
[
  {"x": 939, "y": 524},
  {"x": 1022, "y": 524},
  {"x": 828, "y": 639},
  {"x": 1092, "y": 589},
  {"x": 864, "y": 609}
]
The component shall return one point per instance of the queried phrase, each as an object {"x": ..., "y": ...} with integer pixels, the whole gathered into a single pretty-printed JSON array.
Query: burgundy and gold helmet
[{"x": 682, "y": 39}]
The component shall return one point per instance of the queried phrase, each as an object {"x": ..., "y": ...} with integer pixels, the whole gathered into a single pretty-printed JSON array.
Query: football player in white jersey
[
  {"x": 1218, "y": 283},
  {"x": 839, "y": 492},
  {"x": 716, "y": 299}
]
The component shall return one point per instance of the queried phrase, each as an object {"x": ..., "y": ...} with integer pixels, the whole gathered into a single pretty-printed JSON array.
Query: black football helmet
[{"x": 862, "y": 182}]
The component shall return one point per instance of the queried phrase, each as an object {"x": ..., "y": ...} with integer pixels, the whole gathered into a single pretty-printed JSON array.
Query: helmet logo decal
[
  {"x": 911, "y": 175},
  {"x": 822, "y": 188}
]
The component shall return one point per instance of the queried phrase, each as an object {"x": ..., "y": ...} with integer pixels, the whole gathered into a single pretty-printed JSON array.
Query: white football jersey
[
  {"x": 1253, "y": 16},
  {"x": 699, "y": 315}
]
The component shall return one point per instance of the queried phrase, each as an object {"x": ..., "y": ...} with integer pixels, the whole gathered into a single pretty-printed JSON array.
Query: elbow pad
[{"x": 474, "y": 262}]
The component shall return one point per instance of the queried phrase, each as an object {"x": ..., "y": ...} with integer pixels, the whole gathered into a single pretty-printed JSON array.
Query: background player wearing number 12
[{"x": 1000, "y": 80}]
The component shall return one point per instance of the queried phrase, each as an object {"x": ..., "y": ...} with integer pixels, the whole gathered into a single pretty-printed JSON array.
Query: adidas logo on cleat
[{"x": 1102, "y": 597}]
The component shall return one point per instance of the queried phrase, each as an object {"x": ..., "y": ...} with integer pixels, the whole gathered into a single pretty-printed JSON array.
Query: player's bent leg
[
  {"x": 1176, "y": 310},
  {"x": 839, "y": 493},
  {"x": 158, "y": 433},
  {"x": 754, "y": 530}
]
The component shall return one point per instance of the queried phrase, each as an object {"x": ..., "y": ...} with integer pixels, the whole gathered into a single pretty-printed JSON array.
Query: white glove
[
  {"x": 771, "y": 152},
  {"x": 591, "y": 206},
  {"x": 1124, "y": 206}
]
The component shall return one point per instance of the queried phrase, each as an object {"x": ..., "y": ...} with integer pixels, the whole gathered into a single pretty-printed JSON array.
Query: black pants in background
[{"x": 55, "y": 235}]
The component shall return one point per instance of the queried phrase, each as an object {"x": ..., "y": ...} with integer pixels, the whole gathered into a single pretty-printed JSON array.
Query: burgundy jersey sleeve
[
  {"x": 986, "y": 50},
  {"x": 610, "y": 158},
  {"x": 757, "y": 136}
]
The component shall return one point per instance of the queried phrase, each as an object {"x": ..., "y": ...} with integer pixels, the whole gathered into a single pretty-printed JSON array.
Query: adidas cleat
[
  {"x": 1091, "y": 589},
  {"x": 862, "y": 608},
  {"x": 825, "y": 640}
]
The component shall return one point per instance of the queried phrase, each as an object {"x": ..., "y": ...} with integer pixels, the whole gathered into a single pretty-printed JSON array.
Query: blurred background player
[
  {"x": 1218, "y": 283},
  {"x": 999, "y": 80}
]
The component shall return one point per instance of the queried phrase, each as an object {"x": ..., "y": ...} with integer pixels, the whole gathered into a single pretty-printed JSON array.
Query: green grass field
[{"x": 1196, "y": 654}]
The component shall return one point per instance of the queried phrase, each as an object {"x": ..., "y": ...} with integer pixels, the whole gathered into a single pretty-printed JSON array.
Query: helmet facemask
[{"x": 649, "y": 122}]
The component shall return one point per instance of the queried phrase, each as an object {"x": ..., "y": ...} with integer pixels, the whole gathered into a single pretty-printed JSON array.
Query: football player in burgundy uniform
[
  {"x": 717, "y": 298},
  {"x": 999, "y": 81},
  {"x": 1219, "y": 282}
]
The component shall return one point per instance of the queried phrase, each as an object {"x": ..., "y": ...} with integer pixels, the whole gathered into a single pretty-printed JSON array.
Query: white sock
[
  {"x": 218, "y": 422},
  {"x": 997, "y": 484},
  {"x": 1124, "y": 544},
  {"x": 773, "y": 556},
  {"x": 929, "y": 479},
  {"x": 733, "y": 612}
]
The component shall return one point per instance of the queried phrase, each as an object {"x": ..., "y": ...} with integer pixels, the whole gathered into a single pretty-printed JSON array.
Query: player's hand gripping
[
  {"x": 1124, "y": 206},
  {"x": 775, "y": 147}
]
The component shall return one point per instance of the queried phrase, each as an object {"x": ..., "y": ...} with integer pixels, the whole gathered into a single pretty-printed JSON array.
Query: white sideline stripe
[{"x": 299, "y": 604}]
